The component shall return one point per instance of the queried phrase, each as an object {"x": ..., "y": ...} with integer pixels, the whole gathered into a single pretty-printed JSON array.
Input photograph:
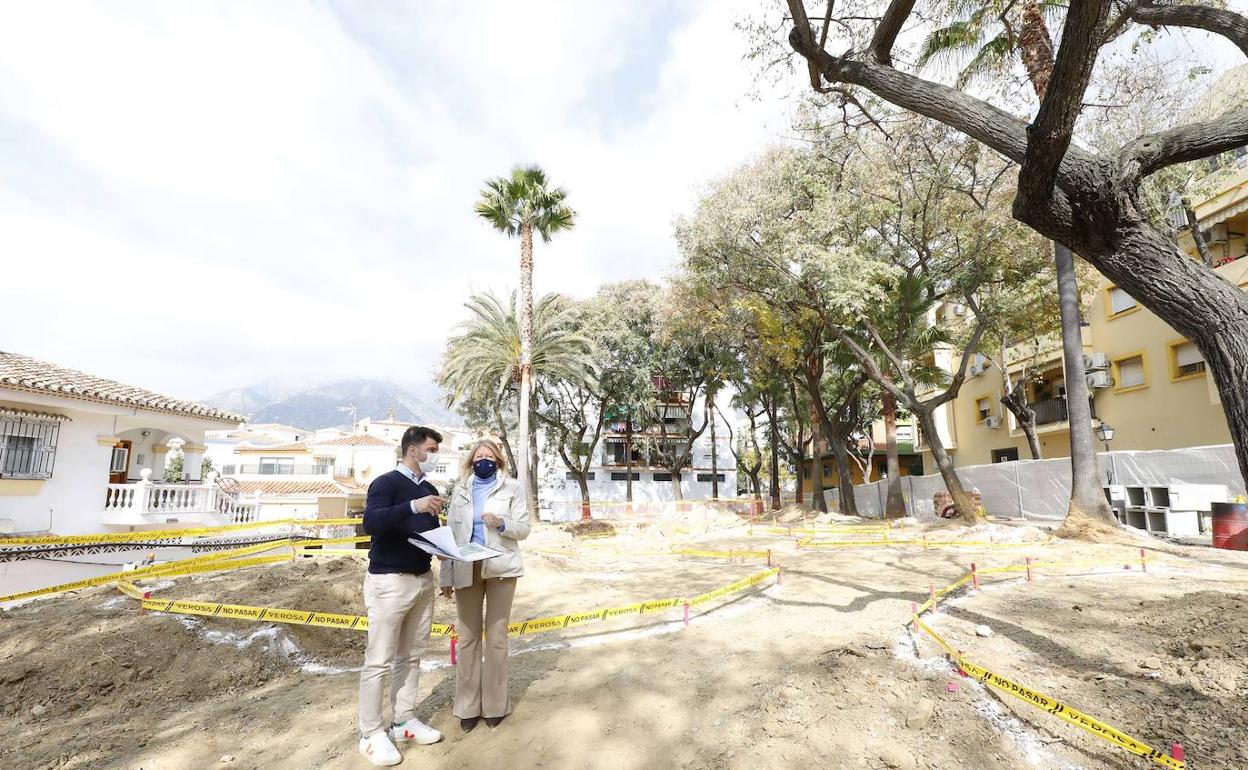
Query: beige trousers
[
  {"x": 400, "y": 613},
  {"x": 482, "y": 691}
]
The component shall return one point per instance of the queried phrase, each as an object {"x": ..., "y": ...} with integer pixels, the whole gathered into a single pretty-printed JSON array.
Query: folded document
[{"x": 441, "y": 542}]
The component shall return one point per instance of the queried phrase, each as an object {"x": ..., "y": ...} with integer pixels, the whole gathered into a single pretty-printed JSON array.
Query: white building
[
  {"x": 456, "y": 443},
  {"x": 652, "y": 482},
  {"x": 82, "y": 454}
]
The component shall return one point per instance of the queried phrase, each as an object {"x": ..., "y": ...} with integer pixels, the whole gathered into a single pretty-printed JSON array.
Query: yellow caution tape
[
  {"x": 217, "y": 562},
  {"x": 1026, "y": 694},
  {"x": 360, "y": 623},
  {"x": 1053, "y": 706},
  {"x": 330, "y": 541},
  {"x": 165, "y": 534},
  {"x": 722, "y": 554}
]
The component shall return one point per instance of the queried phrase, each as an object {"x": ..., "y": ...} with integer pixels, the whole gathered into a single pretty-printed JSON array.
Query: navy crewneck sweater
[{"x": 388, "y": 518}]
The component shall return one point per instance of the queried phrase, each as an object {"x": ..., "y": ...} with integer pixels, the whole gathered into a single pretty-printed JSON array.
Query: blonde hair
[{"x": 499, "y": 457}]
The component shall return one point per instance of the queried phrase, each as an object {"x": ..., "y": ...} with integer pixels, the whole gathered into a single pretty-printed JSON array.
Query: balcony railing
[
  {"x": 1049, "y": 410},
  {"x": 147, "y": 502}
]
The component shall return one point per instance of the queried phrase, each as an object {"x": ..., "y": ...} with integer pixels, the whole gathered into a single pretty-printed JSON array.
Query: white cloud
[{"x": 207, "y": 195}]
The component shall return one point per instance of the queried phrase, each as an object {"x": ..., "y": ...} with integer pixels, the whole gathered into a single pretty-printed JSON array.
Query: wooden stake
[
  {"x": 1028, "y": 569},
  {"x": 974, "y": 577}
]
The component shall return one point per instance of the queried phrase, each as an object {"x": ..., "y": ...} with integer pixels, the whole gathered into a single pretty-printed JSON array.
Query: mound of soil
[{"x": 593, "y": 527}]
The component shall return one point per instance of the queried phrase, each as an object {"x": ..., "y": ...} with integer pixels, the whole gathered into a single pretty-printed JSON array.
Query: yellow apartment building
[{"x": 1147, "y": 381}]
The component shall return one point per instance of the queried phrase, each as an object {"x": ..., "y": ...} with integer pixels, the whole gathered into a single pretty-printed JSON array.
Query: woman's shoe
[
  {"x": 495, "y": 721},
  {"x": 469, "y": 723}
]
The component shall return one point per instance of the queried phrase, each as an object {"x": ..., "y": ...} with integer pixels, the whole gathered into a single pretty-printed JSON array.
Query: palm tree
[
  {"x": 484, "y": 358},
  {"x": 518, "y": 205},
  {"x": 1024, "y": 32}
]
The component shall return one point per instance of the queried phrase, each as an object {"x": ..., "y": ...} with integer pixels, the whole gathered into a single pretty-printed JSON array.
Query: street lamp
[{"x": 1105, "y": 433}]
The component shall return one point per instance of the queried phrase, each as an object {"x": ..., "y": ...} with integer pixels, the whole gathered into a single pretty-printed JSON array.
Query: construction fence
[{"x": 1040, "y": 489}]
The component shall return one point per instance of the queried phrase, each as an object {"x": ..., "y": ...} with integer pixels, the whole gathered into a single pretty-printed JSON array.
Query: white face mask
[{"x": 430, "y": 463}]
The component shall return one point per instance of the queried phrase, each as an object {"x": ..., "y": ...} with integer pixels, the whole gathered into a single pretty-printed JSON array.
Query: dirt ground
[{"x": 816, "y": 672}]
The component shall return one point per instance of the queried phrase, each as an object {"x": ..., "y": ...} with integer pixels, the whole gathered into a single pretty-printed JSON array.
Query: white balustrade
[{"x": 148, "y": 498}]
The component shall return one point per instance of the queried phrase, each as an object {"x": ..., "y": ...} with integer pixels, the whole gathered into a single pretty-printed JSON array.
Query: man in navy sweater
[{"x": 398, "y": 592}]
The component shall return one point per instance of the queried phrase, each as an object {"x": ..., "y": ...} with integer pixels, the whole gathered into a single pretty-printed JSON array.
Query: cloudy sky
[{"x": 197, "y": 196}]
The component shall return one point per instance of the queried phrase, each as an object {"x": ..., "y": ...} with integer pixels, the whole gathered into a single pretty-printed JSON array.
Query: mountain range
[{"x": 328, "y": 405}]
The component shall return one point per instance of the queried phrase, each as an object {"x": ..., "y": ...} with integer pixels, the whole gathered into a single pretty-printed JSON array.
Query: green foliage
[
  {"x": 173, "y": 468},
  {"x": 525, "y": 198}
]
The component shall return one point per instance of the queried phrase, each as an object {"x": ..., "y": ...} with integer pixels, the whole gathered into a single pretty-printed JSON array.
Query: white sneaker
[
  {"x": 416, "y": 731},
  {"x": 379, "y": 750}
]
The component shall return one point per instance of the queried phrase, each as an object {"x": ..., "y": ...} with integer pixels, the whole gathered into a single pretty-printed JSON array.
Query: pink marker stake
[
  {"x": 974, "y": 577},
  {"x": 1143, "y": 566},
  {"x": 686, "y": 614},
  {"x": 454, "y": 644},
  {"x": 1028, "y": 569},
  {"x": 1176, "y": 751},
  {"x": 931, "y": 589}
]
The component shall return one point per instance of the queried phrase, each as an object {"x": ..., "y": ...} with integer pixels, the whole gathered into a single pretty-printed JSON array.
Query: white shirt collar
[{"x": 413, "y": 475}]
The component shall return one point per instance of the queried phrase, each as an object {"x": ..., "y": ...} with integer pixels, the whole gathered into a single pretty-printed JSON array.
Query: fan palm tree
[
  {"x": 518, "y": 205},
  {"x": 484, "y": 356},
  {"x": 1023, "y": 32}
]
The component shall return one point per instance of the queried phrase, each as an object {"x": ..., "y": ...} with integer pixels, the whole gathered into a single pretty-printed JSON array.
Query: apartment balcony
[
  {"x": 149, "y": 503},
  {"x": 1049, "y": 411}
]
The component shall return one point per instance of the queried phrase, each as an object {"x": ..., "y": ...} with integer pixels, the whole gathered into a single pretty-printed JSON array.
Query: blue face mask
[{"x": 484, "y": 469}]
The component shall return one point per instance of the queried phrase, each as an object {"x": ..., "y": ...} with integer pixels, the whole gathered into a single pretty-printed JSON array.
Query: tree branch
[
  {"x": 976, "y": 118},
  {"x": 1229, "y": 24},
  {"x": 1154, "y": 152},
  {"x": 889, "y": 27},
  {"x": 1049, "y": 135}
]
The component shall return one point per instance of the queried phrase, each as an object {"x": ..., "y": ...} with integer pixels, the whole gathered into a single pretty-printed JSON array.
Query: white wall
[{"x": 72, "y": 501}]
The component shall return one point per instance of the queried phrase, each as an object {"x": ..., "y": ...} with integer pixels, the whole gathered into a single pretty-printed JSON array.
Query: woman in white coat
[{"x": 487, "y": 507}]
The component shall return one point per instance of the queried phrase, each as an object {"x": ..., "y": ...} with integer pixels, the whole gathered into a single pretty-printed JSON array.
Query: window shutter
[{"x": 1187, "y": 354}]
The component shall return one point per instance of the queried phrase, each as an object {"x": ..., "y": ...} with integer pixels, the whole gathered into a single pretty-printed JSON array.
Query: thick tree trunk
[
  {"x": 844, "y": 480},
  {"x": 710, "y": 416},
  {"x": 534, "y": 460},
  {"x": 1087, "y": 499},
  {"x": 774, "y": 464},
  {"x": 628, "y": 455},
  {"x": 895, "y": 504},
  {"x": 677, "y": 494},
  {"x": 944, "y": 463},
  {"x": 816, "y": 475},
  {"x": 512, "y": 468},
  {"x": 1197, "y": 302},
  {"x": 583, "y": 483},
  {"x": 527, "y": 483},
  {"x": 799, "y": 496}
]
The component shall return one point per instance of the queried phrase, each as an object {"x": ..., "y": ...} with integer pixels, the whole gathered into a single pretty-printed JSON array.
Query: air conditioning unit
[
  {"x": 1097, "y": 380},
  {"x": 994, "y": 421},
  {"x": 1095, "y": 362},
  {"x": 976, "y": 369}
]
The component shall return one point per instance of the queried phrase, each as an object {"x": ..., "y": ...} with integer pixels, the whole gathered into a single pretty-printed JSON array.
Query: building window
[
  {"x": 227, "y": 470},
  {"x": 570, "y": 476},
  {"x": 121, "y": 460},
  {"x": 706, "y": 477},
  {"x": 1186, "y": 361},
  {"x": 1118, "y": 302},
  {"x": 983, "y": 408},
  {"x": 621, "y": 476},
  {"x": 27, "y": 448},
  {"x": 662, "y": 477},
  {"x": 323, "y": 465},
  {"x": 1130, "y": 373},
  {"x": 805, "y": 471},
  {"x": 277, "y": 466}
]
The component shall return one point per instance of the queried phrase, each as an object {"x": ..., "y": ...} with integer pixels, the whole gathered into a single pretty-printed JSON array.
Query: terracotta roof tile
[
  {"x": 24, "y": 373},
  {"x": 297, "y": 488},
  {"x": 359, "y": 439}
]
